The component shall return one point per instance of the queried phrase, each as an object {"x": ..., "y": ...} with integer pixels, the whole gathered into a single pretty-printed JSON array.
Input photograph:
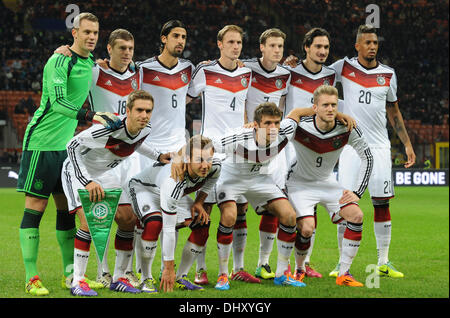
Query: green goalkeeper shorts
[{"x": 40, "y": 172}]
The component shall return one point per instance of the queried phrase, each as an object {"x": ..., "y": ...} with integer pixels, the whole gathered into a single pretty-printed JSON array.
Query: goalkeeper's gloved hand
[{"x": 109, "y": 120}]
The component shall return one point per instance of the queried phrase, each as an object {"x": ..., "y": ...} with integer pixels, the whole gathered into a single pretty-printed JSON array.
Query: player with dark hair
[{"x": 370, "y": 96}]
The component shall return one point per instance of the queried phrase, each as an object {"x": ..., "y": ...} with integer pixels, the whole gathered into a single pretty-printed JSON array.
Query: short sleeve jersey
[
  {"x": 223, "y": 95},
  {"x": 169, "y": 87},
  {"x": 266, "y": 86},
  {"x": 366, "y": 92},
  {"x": 110, "y": 89},
  {"x": 304, "y": 83}
]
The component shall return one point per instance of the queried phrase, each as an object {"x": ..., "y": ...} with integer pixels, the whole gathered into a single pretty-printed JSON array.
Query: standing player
[
  {"x": 166, "y": 77},
  {"x": 309, "y": 74},
  {"x": 223, "y": 86},
  {"x": 370, "y": 95},
  {"x": 270, "y": 82},
  {"x": 154, "y": 192},
  {"x": 110, "y": 89},
  {"x": 66, "y": 83},
  {"x": 112, "y": 81},
  {"x": 319, "y": 140},
  {"x": 92, "y": 157}
]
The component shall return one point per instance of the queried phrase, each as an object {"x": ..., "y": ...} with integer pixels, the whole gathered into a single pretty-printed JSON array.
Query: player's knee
[
  {"x": 125, "y": 218},
  {"x": 356, "y": 216},
  {"x": 306, "y": 227},
  {"x": 288, "y": 217}
]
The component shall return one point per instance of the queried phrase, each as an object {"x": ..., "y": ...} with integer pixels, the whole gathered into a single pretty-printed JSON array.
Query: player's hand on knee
[
  {"x": 348, "y": 197},
  {"x": 109, "y": 120},
  {"x": 96, "y": 192},
  {"x": 199, "y": 215},
  {"x": 64, "y": 50}
]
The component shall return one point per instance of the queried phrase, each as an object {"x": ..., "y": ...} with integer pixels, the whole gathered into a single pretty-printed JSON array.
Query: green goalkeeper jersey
[{"x": 65, "y": 87}]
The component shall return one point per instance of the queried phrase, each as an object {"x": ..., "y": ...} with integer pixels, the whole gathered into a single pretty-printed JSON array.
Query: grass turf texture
[{"x": 419, "y": 248}]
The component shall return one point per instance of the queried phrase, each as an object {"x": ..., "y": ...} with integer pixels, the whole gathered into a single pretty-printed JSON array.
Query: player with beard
[
  {"x": 306, "y": 76},
  {"x": 370, "y": 96}
]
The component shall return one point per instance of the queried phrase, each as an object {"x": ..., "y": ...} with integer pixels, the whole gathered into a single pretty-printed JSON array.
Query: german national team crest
[
  {"x": 279, "y": 83},
  {"x": 337, "y": 143},
  {"x": 326, "y": 82},
  {"x": 184, "y": 78},
  {"x": 244, "y": 82},
  {"x": 134, "y": 84},
  {"x": 381, "y": 80}
]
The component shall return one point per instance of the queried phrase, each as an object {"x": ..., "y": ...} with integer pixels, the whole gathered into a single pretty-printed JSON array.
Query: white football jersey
[
  {"x": 266, "y": 86},
  {"x": 366, "y": 92},
  {"x": 318, "y": 152},
  {"x": 304, "y": 83},
  {"x": 110, "y": 89},
  {"x": 245, "y": 156},
  {"x": 97, "y": 150},
  {"x": 171, "y": 191},
  {"x": 168, "y": 86},
  {"x": 223, "y": 96}
]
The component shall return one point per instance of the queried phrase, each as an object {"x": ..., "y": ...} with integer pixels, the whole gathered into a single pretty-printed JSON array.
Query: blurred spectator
[
  {"x": 413, "y": 37},
  {"x": 20, "y": 107}
]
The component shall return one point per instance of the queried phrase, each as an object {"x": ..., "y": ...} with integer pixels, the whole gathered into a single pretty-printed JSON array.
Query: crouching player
[
  {"x": 249, "y": 153},
  {"x": 92, "y": 155},
  {"x": 319, "y": 140},
  {"x": 162, "y": 204}
]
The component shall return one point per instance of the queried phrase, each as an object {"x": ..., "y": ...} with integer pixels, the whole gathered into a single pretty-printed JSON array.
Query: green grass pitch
[{"x": 419, "y": 248}]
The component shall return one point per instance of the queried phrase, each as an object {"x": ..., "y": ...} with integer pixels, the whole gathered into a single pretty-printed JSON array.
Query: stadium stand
[{"x": 413, "y": 36}]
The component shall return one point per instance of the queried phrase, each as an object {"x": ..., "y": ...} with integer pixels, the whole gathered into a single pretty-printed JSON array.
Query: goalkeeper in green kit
[{"x": 65, "y": 87}]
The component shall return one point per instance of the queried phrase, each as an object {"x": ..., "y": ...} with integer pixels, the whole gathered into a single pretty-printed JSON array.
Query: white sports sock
[
  {"x": 239, "y": 242},
  {"x": 284, "y": 253},
  {"x": 224, "y": 251},
  {"x": 137, "y": 247},
  {"x": 120, "y": 267},
  {"x": 308, "y": 254},
  {"x": 190, "y": 252},
  {"x": 340, "y": 234},
  {"x": 349, "y": 250},
  {"x": 147, "y": 255},
  {"x": 201, "y": 259},
  {"x": 266, "y": 240},
  {"x": 80, "y": 262},
  {"x": 383, "y": 237}
]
